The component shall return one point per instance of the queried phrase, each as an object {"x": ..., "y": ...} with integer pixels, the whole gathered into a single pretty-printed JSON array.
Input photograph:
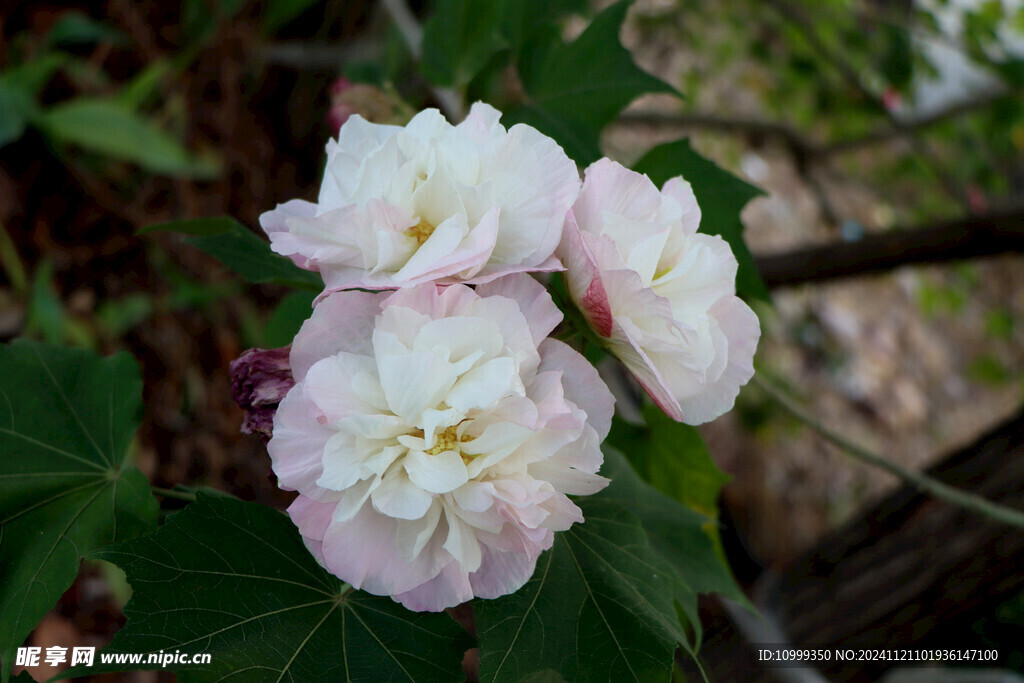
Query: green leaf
[
  {"x": 522, "y": 22},
  {"x": 66, "y": 420},
  {"x": 15, "y": 109},
  {"x": 287, "y": 318},
  {"x": 241, "y": 250},
  {"x": 145, "y": 84},
  {"x": 601, "y": 603},
  {"x": 36, "y": 73},
  {"x": 575, "y": 90},
  {"x": 721, "y": 196},
  {"x": 459, "y": 39},
  {"x": 74, "y": 28},
  {"x": 673, "y": 457},
  {"x": 234, "y": 580},
  {"x": 45, "y": 316},
  {"x": 278, "y": 13},
  {"x": 109, "y": 128},
  {"x": 679, "y": 534}
]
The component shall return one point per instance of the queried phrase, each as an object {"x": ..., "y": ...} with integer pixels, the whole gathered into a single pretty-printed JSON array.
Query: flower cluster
[{"x": 434, "y": 430}]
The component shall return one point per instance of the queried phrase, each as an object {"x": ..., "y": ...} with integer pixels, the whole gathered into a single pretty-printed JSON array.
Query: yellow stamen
[
  {"x": 447, "y": 440},
  {"x": 421, "y": 231}
]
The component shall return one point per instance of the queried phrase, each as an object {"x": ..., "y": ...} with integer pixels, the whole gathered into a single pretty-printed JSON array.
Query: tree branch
[
  {"x": 796, "y": 141},
  {"x": 964, "y": 238}
]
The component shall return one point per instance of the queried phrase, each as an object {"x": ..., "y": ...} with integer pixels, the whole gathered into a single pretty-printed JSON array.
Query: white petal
[
  {"x": 341, "y": 462},
  {"x": 413, "y": 534},
  {"x": 438, "y": 473},
  {"x": 398, "y": 497},
  {"x": 414, "y": 382},
  {"x": 463, "y": 544},
  {"x": 481, "y": 387}
]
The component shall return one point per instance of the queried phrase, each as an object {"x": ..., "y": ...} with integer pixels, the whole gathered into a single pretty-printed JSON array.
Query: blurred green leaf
[
  {"x": 200, "y": 18},
  {"x": 898, "y": 58},
  {"x": 145, "y": 84},
  {"x": 118, "y": 316},
  {"x": 459, "y": 39},
  {"x": 234, "y": 579},
  {"x": 66, "y": 487},
  {"x": 34, "y": 74},
  {"x": 45, "y": 316},
  {"x": 575, "y": 90},
  {"x": 241, "y": 250},
  {"x": 112, "y": 129},
  {"x": 277, "y": 13},
  {"x": 11, "y": 262},
  {"x": 284, "y": 323},
  {"x": 15, "y": 107},
  {"x": 721, "y": 197},
  {"x": 77, "y": 28}
]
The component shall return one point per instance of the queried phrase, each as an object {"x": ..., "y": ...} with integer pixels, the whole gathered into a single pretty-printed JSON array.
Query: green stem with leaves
[{"x": 920, "y": 480}]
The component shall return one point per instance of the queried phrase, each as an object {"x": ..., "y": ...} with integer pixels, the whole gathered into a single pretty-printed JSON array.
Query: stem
[
  {"x": 920, "y": 480},
  {"x": 172, "y": 493},
  {"x": 448, "y": 99}
]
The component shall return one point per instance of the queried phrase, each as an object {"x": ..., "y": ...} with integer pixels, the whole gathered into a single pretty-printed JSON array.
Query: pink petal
[
  {"x": 501, "y": 572},
  {"x": 363, "y": 551},
  {"x": 581, "y": 383},
  {"x": 298, "y": 444},
  {"x": 584, "y": 278},
  {"x": 339, "y": 323},
  {"x": 449, "y": 588},
  {"x": 534, "y": 301},
  {"x": 742, "y": 329}
]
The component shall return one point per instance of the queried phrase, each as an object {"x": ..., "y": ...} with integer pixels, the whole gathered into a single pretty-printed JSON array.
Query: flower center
[
  {"x": 421, "y": 231},
  {"x": 447, "y": 440}
]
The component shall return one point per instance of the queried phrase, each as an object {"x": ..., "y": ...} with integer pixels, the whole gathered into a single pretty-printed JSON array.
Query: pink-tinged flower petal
[
  {"x": 363, "y": 551},
  {"x": 297, "y": 445},
  {"x": 533, "y": 299},
  {"x": 450, "y": 587},
  {"x": 312, "y": 518},
  {"x": 309, "y": 239},
  {"x": 336, "y": 325},
  {"x": 430, "y": 202},
  {"x": 610, "y": 187},
  {"x": 501, "y": 573},
  {"x": 741, "y": 328},
  {"x": 275, "y": 224},
  {"x": 581, "y": 383},
  {"x": 584, "y": 278},
  {"x": 659, "y": 292},
  {"x": 435, "y": 433},
  {"x": 680, "y": 190},
  {"x": 481, "y": 124}
]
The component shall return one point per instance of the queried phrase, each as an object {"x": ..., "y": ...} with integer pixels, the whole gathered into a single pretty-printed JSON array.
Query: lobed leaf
[
  {"x": 234, "y": 580},
  {"x": 459, "y": 39},
  {"x": 67, "y": 417},
  {"x": 575, "y": 90},
  {"x": 601, "y": 604}
]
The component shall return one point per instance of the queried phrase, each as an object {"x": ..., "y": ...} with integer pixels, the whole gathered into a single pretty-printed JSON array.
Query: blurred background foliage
[{"x": 857, "y": 117}]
